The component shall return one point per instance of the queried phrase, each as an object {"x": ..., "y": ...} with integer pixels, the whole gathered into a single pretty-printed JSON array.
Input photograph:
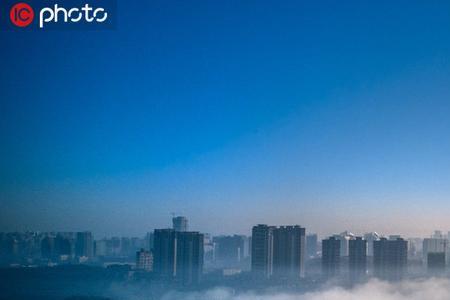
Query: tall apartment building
[
  {"x": 164, "y": 252},
  {"x": 289, "y": 246},
  {"x": 331, "y": 254},
  {"x": 434, "y": 245},
  {"x": 436, "y": 263},
  {"x": 189, "y": 257},
  {"x": 357, "y": 258},
  {"x": 178, "y": 255},
  {"x": 278, "y": 251},
  {"x": 84, "y": 244},
  {"x": 262, "y": 250},
  {"x": 311, "y": 245},
  {"x": 390, "y": 258}
]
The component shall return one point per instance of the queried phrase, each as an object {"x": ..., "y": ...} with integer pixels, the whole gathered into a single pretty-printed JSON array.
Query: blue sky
[{"x": 328, "y": 114}]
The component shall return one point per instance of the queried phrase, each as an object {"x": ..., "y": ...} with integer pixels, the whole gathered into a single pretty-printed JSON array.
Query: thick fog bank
[{"x": 429, "y": 289}]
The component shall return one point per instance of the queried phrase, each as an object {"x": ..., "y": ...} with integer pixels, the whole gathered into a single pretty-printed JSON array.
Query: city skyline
[
  {"x": 308, "y": 231},
  {"x": 270, "y": 252},
  {"x": 273, "y": 258}
]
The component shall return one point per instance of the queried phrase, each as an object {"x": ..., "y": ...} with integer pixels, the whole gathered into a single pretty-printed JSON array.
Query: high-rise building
[
  {"x": 434, "y": 245},
  {"x": 289, "y": 246},
  {"x": 331, "y": 253},
  {"x": 101, "y": 248},
  {"x": 436, "y": 262},
  {"x": 189, "y": 257},
  {"x": 48, "y": 248},
  {"x": 144, "y": 260},
  {"x": 262, "y": 250},
  {"x": 84, "y": 245},
  {"x": 311, "y": 245},
  {"x": 114, "y": 245},
  {"x": 357, "y": 258},
  {"x": 178, "y": 255},
  {"x": 278, "y": 251},
  {"x": 390, "y": 258},
  {"x": 63, "y": 246},
  {"x": 180, "y": 223},
  {"x": 164, "y": 252}
]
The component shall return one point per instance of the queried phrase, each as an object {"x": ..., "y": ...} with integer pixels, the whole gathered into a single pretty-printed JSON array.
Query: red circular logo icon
[{"x": 21, "y": 14}]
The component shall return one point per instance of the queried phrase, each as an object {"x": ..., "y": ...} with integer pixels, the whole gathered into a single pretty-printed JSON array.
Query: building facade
[
  {"x": 178, "y": 255},
  {"x": 262, "y": 250},
  {"x": 357, "y": 257},
  {"x": 390, "y": 258},
  {"x": 84, "y": 245},
  {"x": 331, "y": 254},
  {"x": 144, "y": 260},
  {"x": 289, "y": 246},
  {"x": 311, "y": 245}
]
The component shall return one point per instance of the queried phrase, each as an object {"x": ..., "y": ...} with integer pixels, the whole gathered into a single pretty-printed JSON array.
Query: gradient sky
[{"x": 330, "y": 114}]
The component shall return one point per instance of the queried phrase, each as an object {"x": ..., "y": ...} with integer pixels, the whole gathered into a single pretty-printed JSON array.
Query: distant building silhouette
[
  {"x": 331, "y": 253},
  {"x": 180, "y": 223},
  {"x": 434, "y": 245},
  {"x": 189, "y": 257},
  {"x": 289, "y": 246},
  {"x": 229, "y": 250},
  {"x": 357, "y": 259},
  {"x": 64, "y": 246},
  {"x": 144, "y": 260},
  {"x": 262, "y": 250},
  {"x": 436, "y": 263},
  {"x": 178, "y": 255},
  {"x": 164, "y": 252},
  {"x": 311, "y": 245},
  {"x": 84, "y": 245},
  {"x": 278, "y": 251},
  {"x": 48, "y": 247},
  {"x": 390, "y": 258}
]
